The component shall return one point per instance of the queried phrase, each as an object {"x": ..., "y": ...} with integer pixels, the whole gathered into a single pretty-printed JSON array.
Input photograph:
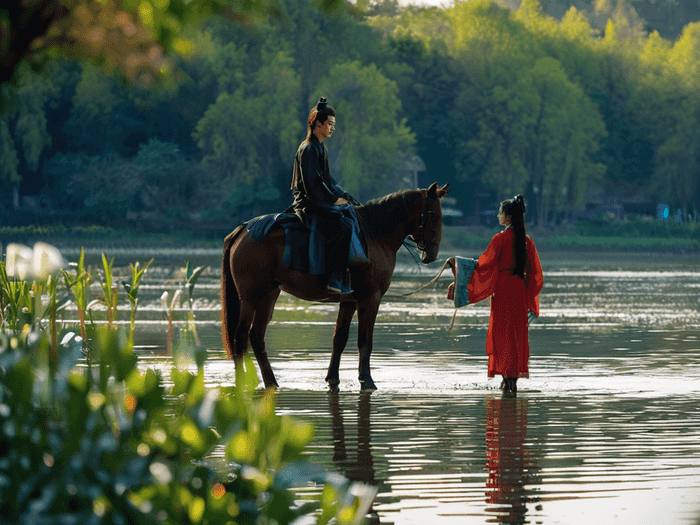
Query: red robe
[{"x": 511, "y": 297}]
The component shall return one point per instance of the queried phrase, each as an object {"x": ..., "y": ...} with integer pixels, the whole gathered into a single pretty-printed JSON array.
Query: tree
[
  {"x": 107, "y": 186},
  {"x": 539, "y": 134},
  {"x": 168, "y": 183},
  {"x": 23, "y": 127},
  {"x": 368, "y": 137},
  {"x": 564, "y": 141},
  {"x": 430, "y": 83},
  {"x": 678, "y": 155},
  {"x": 103, "y": 119},
  {"x": 245, "y": 135}
]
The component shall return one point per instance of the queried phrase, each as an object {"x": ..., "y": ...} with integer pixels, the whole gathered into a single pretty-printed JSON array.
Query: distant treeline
[{"x": 495, "y": 101}]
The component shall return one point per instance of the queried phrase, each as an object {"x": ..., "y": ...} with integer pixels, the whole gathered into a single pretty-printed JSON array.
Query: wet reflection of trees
[
  {"x": 509, "y": 463},
  {"x": 359, "y": 467}
]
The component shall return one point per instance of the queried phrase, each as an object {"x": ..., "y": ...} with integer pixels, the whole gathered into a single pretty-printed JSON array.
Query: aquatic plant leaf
[
  {"x": 240, "y": 448},
  {"x": 205, "y": 415},
  {"x": 19, "y": 380},
  {"x": 181, "y": 381}
]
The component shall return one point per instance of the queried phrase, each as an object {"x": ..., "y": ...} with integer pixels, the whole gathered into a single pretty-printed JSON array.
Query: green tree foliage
[
  {"x": 23, "y": 124},
  {"x": 431, "y": 82},
  {"x": 126, "y": 36},
  {"x": 535, "y": 129},
  {"x": 495, "y": 100},
  {"x": 246, "y": 135},
  {"x": 107, "y": 186},
  {"x": 368, "y": 138},
  {"x": 103, "y": 119},
  {"x": 678, "y": 155},
  {"x": 168, "y": 178}
]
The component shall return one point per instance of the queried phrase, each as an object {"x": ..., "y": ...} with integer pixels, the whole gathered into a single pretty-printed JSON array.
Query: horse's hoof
[
  {"x": 367, "y": 385},
  {"x": 333, "y": 385}
]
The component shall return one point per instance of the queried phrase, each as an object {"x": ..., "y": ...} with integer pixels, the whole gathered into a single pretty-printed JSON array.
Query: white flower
[
  {"x": 164, "y": 299},
  {"x": 47, "y": 260},
  {"x": 19, "y": 261},
  {"x": 24, "y": 263}
]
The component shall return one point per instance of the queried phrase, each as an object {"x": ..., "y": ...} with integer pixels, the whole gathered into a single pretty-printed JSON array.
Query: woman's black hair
[{"x": 515, "y": 207}]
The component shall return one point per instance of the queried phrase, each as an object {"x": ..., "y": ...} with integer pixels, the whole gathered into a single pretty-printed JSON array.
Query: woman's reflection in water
[
  {"x": 508, "y": 461},
  {"x": 361, "y": 467}
]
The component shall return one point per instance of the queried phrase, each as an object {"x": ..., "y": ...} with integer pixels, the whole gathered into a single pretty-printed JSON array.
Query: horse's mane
[
  {"x": 391, "y": 198},
  {"x": 377, "y": 212}
]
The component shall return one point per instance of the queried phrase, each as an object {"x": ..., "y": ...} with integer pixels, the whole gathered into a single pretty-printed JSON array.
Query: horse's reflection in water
[
  {"x": 359, "y": 467},
  {"x": 508, "y": 461}
]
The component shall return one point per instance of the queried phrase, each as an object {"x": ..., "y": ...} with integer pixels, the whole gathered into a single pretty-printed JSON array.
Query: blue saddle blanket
[{"x": 305, "y": 247}]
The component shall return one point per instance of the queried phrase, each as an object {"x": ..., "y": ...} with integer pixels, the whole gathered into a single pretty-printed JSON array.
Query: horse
[{"x": 253, "y": 277}]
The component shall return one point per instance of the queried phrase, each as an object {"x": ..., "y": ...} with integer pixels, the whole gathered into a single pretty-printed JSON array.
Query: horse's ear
[
  {"x": 433, "y": 189},
  {"x": 443, "y": 191}
]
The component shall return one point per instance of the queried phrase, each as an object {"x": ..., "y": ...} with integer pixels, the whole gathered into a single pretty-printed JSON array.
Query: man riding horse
[{"x": 321, "y": 204}]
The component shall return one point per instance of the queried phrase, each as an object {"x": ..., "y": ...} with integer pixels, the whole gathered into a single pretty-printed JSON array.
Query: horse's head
[{"x": 428, "y": 234}]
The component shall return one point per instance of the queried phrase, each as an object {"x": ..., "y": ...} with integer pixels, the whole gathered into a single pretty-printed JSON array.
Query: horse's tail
[{"x": 230, "y": 302}]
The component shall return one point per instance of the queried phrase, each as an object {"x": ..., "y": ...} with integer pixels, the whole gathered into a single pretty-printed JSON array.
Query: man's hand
[{"x": 339, "y": 202}]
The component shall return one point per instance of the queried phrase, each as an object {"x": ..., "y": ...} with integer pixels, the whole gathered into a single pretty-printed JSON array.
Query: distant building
[{"x": 619, "y": 205}]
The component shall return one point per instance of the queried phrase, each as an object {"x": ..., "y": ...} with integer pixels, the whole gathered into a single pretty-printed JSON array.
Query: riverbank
[
  {"x": 570, "y": 239},
  {"x": 619, "y": 238}
]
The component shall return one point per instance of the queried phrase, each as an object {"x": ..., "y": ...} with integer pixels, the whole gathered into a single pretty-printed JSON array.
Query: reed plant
[
  {"x": 109, "y": 291},
  {"x": 170, "y": 305},
  {"x": 132, "y": 292},
  {"x": 191, "y": 277},
  {"x": 78, "y": 284},
  {"x": 16, "y": 301}
]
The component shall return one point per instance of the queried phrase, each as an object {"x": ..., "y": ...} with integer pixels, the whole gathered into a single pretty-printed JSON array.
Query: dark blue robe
[{"x": 315, "y": 193}]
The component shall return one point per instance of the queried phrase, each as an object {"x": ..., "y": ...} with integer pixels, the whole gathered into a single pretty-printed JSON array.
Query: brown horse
[{"x": 253, "y": 275}]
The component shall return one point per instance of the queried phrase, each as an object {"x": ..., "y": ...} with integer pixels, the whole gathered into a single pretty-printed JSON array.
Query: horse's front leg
[
  {"x": 366, "y": 317},
  {"x": 263, "y": 316},
  {"x": 340, "y": 339}
]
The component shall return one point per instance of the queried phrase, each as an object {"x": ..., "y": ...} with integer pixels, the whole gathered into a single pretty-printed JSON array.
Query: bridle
[{"x": 426, "y": 214}]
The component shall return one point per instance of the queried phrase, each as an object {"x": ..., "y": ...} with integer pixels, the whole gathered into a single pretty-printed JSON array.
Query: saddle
[{"x": 304, "y": 247}]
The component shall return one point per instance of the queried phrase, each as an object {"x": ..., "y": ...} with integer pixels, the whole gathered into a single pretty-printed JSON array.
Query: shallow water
[{"x": 606, "y": 430}]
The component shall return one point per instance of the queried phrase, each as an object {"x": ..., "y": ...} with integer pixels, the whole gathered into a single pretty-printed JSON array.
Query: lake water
[{"x": 605, "y": 431}]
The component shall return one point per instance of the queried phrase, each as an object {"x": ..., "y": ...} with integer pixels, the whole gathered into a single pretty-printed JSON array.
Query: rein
[
  {"x": 426, "y": 285},
  {"x": 430, "y": 283}
]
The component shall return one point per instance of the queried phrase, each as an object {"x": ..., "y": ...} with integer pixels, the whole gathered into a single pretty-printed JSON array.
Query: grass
[
  {"x": 105, "y": 237},
  {"x": 620, "y": 236},
  {"x": 598, "y": 235}
]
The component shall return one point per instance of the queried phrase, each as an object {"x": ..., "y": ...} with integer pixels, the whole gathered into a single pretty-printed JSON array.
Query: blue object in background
[{"x": 662, "y": 211}]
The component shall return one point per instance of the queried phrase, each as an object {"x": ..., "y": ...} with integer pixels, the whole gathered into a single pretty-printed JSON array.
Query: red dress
[{"x": 511, "y": 297}]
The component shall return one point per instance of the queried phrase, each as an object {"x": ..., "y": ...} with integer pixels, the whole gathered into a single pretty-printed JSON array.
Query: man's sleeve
[{"x": 312, "y": 173}]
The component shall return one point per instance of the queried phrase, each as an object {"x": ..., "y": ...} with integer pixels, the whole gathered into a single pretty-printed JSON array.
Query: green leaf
[
  {"x": 191, "y": 435},
  {"x": 240, "y": 448},
  {"x": 182, "y": 379}
]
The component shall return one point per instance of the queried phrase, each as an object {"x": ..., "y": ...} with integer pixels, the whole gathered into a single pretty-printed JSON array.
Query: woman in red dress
[{"x": 508, "y": 272}]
